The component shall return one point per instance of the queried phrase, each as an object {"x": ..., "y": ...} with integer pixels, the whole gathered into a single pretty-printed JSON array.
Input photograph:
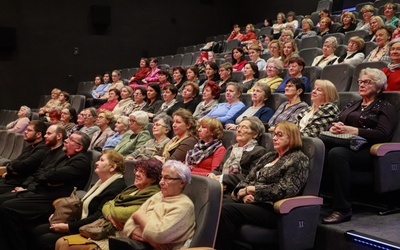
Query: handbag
[
  {"x": 351, "y": 141},
  {"x": 97, "y": 230},
  {"x": 67, "y": 209}
]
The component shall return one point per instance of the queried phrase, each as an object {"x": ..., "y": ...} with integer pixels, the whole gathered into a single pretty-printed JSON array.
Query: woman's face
[
  {"x": 237, "y": 55},
  {"x": 106, "y": 78},
  {"x": 101, "y": 120},
  {"x": 168, "y": 96},
  {"x": 112, "y": 96},
  {"x": 177, "y": 75},
  {"x": 89, "y": 119},
  {"x": 272, "y": 71},
  {"x": 65, "y": 116},
  {"x": 179, "y": 126},
  {"x": 352, "y": 46},
  {"x": 97, "y": 80},
  {"x": 382, "y": 37},
  {"x": 290, "y": 90},
  {"x": 231, "y": 94},
  {"x": 205, "y": 133},
  {"x": 187, "y": 93},
  {"x": 54, "y": 95},
  {"x": 125, "y": 93},
  {"x": 115, "y": 77},
  {"x": 81, "y": 118},
  {"x": 120, "y": 127},
  {"x": 207, "y": 94},
  {"x": 244, "y": 134},
  {"x": 254, "y": 55},
  {"x": 388, "y": 11},
  {"x": 258, "y": 95},
  {"x": 322, "y": 24},
  {"x": 170, "y": 187},
  {"x": 346, "y": 20},
  {"x": 138, "y": 96},
  {"x": 373, "y": 24},
  {"x": 366, "y": 87},
  {"x": 248, "y": 28},
  {"x": 287, "y": 49},
  {"x": 305, "y": 26},
  {"x": 224, "y": 74},
  {"x": 190, "y": 75},
  {"x": 141, "y": 180},
  {"x": 285, "y": 38},
  {"x": 366, "y": 15},
  {"x": 159, "y": 128},
  {"x": 210, "y": 56},
  {"x": 279, "y": 19},
  {"x": 248, "y": 72},
  {"x": 162, "y": 78},
  {"x": 327, "y": 49},
  {"x": 210, "y": 72},
  {"x": 22, "y": 112},
  {"x": 395, "y": 52},
  {"x": 294, "y": 69},
  {"x": 134, "y": 125},
  {"x": 151, "y": 93},
  {"x": 318, "y": 95},
  {"x": 142, "y": 63},
  {"x": 153, "y": 64},
  {"x": 289, "y": 18},
  {"x": 104, "y": 166},
  {"x": 281, "y": 140},
  {"x": 274, "y": 50}
]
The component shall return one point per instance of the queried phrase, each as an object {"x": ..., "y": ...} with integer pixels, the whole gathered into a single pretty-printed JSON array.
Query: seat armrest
[
  {"x": 284, "y": 206},
  {"x": 3, "y": 169},
  {"x": 383, "y": 148}
]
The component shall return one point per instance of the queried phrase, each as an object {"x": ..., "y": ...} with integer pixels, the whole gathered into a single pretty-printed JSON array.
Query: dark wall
[{"x": 48, "y": 33}]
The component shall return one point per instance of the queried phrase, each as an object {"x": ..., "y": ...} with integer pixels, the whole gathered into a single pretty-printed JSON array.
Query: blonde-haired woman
[
  {"x": 367, "y": 11},
  {"x": 354, "y": 54},
  {"x": 348, "y": 20},
  {"x": 289, "y": 50},
  {"x": 124, "y": 106},
  {"x": 279, "y": 25}
]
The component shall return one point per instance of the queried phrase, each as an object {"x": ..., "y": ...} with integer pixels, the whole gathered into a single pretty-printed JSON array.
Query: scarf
[
  {"x": 232, "y": 164},
  {"x": 165, "y": 106},
  {"x": 392, "y": 67},
  {"x": 201, "y": 151},
  {"x": 97, "y": 188},
  {"x": 171, "y": 145}
]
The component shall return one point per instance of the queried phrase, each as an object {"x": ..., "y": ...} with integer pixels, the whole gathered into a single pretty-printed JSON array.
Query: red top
[
  {"x": 108, "y": 106},
  {"x": 209, "y": 164},
  {"x": 393, "y": 79}
]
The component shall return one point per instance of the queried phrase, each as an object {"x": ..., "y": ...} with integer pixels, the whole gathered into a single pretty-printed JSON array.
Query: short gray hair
[
  {"x": 256, "y": 125},
  {"x": 377, "y": 76},
  {"x": 166, "y": 119},
  {"x": 181, "y": 169},
  {"x": 124, "y": 120},
  {"x": 141, "y": 117},
  {"x": 278, "y": 63},
  {"x": 28, "y": 111},
  {"x": 332, "y": 40}
]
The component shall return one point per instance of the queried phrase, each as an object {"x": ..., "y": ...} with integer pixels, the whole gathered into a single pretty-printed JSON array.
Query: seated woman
[
  {"x": 154, "y": 101},
  {"x": 241, "y": 157},
  {"x": 295, "y": 69},
  {"x": 169, "y": 95},
  {"x": 259, "y": 109},
  {"x": 348, "y": 21},
  {"x": 275, "y": 49},
  {"x": 211, "y": 75},
  {"x": 286, "y": 36},
  {"x": 104, "y": 120},
  {"x": 289, "y": 110},
  {"x": 110, "y": 169},
  {"x": 324, "y": 25},
  {"x": 119, "y": 210},
  {"x": 279, "y": 25},
  {"x": 125, "y": 105},
  {"x": 279, "y": 174},
  {"x": 354, "y": 54},
  {"x": 225, "y": 74},
  {"x": 190, "y": 92},
  {"x": 289, "y": 50},
  {"x": 367, "y": 12},
  {"x": 390, "y": 10},
  {"x": 152, "y": 76},
  {"x": 328, "y": 56},
  {"x": 323, "y": 110},
  {"x": 52, "y": 103},
  {"x": 185, "y": 130},
  {"x": 161, "y": 128},
  {"x": 89, "y": 117},
  {"x": 112, "y": 100},
  {"x": 210, "y": 97},
  {"x": 140, "y": 74},
  {"x": 68, "y": 118},
  {"x": 99, "y": 88},
  {"x": 207, "y": 153},
  {"x": 273, "y": 69},
  {"x": 137, "y": 136},
  {"x": 192, "y": 75},
  {"x": 55, "y": 117},
  {"x": 80, "y": 122},
  {"x": 381, "y": 52},
  {"x": 164, "y": 78},
  {"x": 116, "y": 82},
  {"x": 63, "y": 99},
  {"x": 251, "y": 74},
  {"x": 254, "y": 54},
  {"x": 306, "y": 25},
  {"x": 291, "y": 20},
  {"x": 375, "y": 23},
  {"x": 21, "y": 123},
  {"x": 370, "y": 118},
  {"x": 166, "y": 220},
  {"x": 392, "y": 72},
  {"x": 249, "y": 35},
  {"x": 121, "y": 126},
  {"x": 139, "y": 101},
  {"x": 179, "y": 76},
  {"x": 238, "y": 60},
  {"x": 235, "y": 33},
  {"x": 225, "y": 111}
]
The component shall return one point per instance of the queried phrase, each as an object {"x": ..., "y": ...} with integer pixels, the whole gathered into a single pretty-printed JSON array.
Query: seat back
[
  {"x": 349, "y": 34},
  {"x": 266, "y": 31},
  {"x": 129, "y": 175},
  {"x": 84, "y": 88},
  {"x": 176, "y": 60},
  {"x": 206, "y": 195},
  {"x": 312, "y": 73},
  {"x": 93, "y": 177},
  {"x": 368, "y": 47},
  {"x": 309, "y": 54},
  {"x": 43, "y": 99},
  {"x": 77, "y": 102},
  {"x": 340, "y": 74},
  {"x": 19, "y": 145},
  {"x": 238, "y": 76},
  {"x": 325, "y": 4},
  {"x": 275, "y": 100},
  {"x": 339, "y": 37},
  {"x": 340, "y": 50},
  {"x": 311, "y": 42},
  {"x": 394, "y": 99},
  {"x": 3, "y": 140},
  {"x": 228, "y": 138},
  {"x": 188, "y": 60},
  {"x": 314, "y": 149},
  {"x": 231, "y": 45},
  {"x": 346, "y": 97},
  {"x": 246, "y": 99},
  {"x": 9, "y": 146},
  {"x": 359, "y": 67}
]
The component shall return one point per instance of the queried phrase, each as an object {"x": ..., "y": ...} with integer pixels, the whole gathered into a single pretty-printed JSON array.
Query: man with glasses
[
  {"x": 33, "y": 206},
  {"x": 29, "y": 160}
]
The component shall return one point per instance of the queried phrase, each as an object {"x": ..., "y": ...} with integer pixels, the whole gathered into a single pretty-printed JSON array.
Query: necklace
[{"x": 364, "y": 106}]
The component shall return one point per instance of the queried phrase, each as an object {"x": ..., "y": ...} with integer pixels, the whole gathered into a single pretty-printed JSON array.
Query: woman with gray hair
[
  {"x": 328, "y": 56},
  {"x": 19, "y": 125},
  {"x": 89, "y": 122},
  {"x": 121, "y": 126},
  {"x": 371, "y": 120},
  {"x": 273, "y": 69},
  {"x": 307, "y": 24},
  {"x": 138, "y": 134}
]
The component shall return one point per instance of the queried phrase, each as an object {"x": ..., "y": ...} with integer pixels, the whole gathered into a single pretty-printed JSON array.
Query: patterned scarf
[
  {"x": 232, "y": 164},
  {"x": 392, "y": 67},
  {"x": 172, "y": 144},
  {"x": 201, "y": 151}
]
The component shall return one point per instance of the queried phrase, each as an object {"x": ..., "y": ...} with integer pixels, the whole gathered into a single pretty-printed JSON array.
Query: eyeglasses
[
  {"x": 170, "y": 179},
  {"x": 70, "y": 139},
  {"x": 279, "y": 135},
  {"x": 271, "y": 67},
  {"x": 159, "y": 125},
  {"x": 365, "y": 82}
]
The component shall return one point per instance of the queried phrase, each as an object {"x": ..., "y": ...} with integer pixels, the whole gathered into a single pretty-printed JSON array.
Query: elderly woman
[
  {"x": 306, "y": 25},
  {"x": 289, "y": 50},
  {"x": 152, "y": 76},
  {"x": 169, "y": 95},
  {"x": 259, "y": 97},
  {"x": 154, "y": 101},
  {"x": 112, "y": 100},
  {"x": 370, "y": 118},
  {"x": 354, "y": 54},
  {"x": 166, "y": 220},
  {"x": 161, "y": 128},
  {"x": 328, "y": 56},
  {"x": 295, "y": 69},
  {"x": 140, "y": 74},
  {"x": 110, "y": 169},
  {"x": 68, "y": 118},
  {"x": 89, "y": 118},
  {"x": 80, "y": 122},
  {"x": 207, "y": 153},
  {"x": 273, "y": 80},
  {"x": 179, "y": 75},
  {"x": 238, "y": 60},
  {"x": 185, "y": 130},
  {"x": 348, "y": 21},
  {"x": 279, "y": 25},
  {"x": 375, "y": 23},
  {"x": 279, "y": 174},
  {"x": 121, "y": 126},
  {"x": 210, "y": 98},
  {"x": 390, "y": 10},
  {"x": 289, "y": 110},
  {"x": 392, "y": 72},
  {"x": 381, "y": 52},
  {"x": 275, "y": 49},
  {"x": 52, "y": 103},
  {"x": 103, "y": 121},
  {"x": 323, "y": 110},
  {"x": 251, "y": 74},
  {"x": 139, "y": 101},
  {"x": 225, "y": 111},
  {"x": 136, "y": 136},
  {"x": 119, "y": 210},
  {"x": 241, "y": 157},
  {"x": 19, "y": 125},
  {"x": 125, "y": 105},
  {"x": 367, "y": 12}
]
